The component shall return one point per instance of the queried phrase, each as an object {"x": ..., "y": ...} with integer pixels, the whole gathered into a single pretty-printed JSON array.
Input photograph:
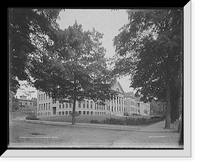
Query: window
[
  {"x": 79, "y": 104},
  {"x": 87, "y": 104},
  {"x": 60, "y": 106},
  {"x": 79, "y": 112},
  {"x": 88, "y": 112},
  {"x": 84, "y": 104},
  {"x": 66, "y": 105},
  {"x": 63, "y": 105},
  {"x": 59, "y": 113},
  {"x": 91, "y": 103},
  {"x": 83, "y": 112},
  {"x": 49, "y": 106},
  {"x": 63, "y": 113},
  {"x": 70, "y": 105},
  {"x": 66, "y": 112}
]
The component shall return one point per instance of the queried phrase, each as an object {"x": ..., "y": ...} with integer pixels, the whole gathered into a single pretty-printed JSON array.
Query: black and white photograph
[{"x": 97, "y": 79}]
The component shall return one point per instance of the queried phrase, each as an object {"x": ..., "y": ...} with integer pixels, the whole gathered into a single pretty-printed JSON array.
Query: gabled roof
[{"x": 120, "y": 87}]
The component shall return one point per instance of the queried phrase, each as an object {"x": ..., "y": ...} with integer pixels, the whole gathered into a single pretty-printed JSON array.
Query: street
[{"x": 26, "y": 134}]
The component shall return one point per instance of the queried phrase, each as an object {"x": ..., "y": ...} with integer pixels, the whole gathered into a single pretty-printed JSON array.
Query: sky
[{"x": 105, "y": 21}]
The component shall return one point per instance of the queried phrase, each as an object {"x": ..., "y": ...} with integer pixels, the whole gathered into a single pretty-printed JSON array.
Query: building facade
[
  {"x": 131, "y": 103},
  {"x": 118, "y": 105},
  {"x": 24, "y": 102},
  {"x": 46, "y": 106}
]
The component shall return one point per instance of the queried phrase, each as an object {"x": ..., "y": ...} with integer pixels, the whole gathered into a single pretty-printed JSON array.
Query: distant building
[
  {"x": 24, "y": 102},
  {"x": 131, "y": 104},
  {"x": 135, "y": 106}
]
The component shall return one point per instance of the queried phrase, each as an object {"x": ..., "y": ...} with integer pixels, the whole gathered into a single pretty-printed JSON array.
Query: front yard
[
  {"x": 106, "y": 119},
  {"x": 80, "y": 118}
]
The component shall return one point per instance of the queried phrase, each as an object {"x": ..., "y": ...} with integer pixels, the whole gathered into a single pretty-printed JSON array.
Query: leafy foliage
[
  {"x": 153, "y": 40},
  {"x": 152, "y": 44},
  {"x": 26, "y": 25},
  {"x": 76, "y": 69}
]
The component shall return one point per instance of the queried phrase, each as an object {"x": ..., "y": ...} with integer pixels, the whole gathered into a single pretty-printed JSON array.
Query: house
[{"x": 24, "y": 102}]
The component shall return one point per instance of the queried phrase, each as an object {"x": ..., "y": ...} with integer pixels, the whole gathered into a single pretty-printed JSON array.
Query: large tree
[
  {"x": 26, "y": 24},
  {"x": 76, "y": 70},
  {"x": 152, "y": 41}
]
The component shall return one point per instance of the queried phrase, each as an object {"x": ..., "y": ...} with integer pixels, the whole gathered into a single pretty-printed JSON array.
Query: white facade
[
  {"x": 120, "y": 104},
  {"x": 48, "y": 107}
]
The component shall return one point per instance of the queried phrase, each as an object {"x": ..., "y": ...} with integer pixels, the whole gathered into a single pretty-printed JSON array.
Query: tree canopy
[
  {"x": 26, "y": 25},
  {"x": 76, "y": 70},
  {"x": 152, "y": 43}
]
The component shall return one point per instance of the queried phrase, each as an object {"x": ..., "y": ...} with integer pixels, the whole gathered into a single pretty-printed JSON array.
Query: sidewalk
[{"x": 159, "y": 127}]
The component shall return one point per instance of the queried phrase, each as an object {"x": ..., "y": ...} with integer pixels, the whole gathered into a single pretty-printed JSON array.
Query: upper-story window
[
  {"x": 91, "y": 103},
  {"x": 79, "y": 104}
]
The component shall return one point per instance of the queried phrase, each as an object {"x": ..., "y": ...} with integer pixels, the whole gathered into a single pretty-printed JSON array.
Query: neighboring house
[{"x": 24, "y": 102}]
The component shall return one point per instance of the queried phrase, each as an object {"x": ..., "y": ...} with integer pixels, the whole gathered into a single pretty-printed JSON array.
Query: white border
[{"x": 186, "y": 152}]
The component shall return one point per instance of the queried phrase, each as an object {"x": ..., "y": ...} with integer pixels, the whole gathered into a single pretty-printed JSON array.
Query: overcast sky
[{"x": 104, "y": 21}]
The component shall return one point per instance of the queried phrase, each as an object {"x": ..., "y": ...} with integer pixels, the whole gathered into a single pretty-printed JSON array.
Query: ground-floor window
[
  {"x": 79, "y": 112},
  {"x": 66, "y": 112},
  {"x": 83, "y": 112},
  {"x": 63, "y": 113},
  {"x": 91, "y": 113},
  {"x": 59, "y": 113},
  {"x": 88, "y": 112}
]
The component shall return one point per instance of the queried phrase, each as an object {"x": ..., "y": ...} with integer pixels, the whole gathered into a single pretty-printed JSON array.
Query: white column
[{"x": 118, "y": 104}]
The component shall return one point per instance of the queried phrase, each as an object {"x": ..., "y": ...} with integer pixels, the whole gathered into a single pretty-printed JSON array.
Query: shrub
[
  {"x": 113, "y": 121},
  {"x": 95, "y": 121},
  {"x": 32, "y": 117}
]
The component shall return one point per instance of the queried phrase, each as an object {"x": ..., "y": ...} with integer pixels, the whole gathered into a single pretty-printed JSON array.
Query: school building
[{"x": 46, "y": 106}]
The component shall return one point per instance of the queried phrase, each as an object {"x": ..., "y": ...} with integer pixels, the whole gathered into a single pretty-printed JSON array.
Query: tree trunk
[
  {"x": 73, "y": 112},
  {"x": 168, "y": 108},
  {"x": 74, "y": 102}
]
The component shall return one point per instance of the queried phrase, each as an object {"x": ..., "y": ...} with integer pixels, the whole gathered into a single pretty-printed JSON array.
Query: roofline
[{"x": 120, "y": 86}]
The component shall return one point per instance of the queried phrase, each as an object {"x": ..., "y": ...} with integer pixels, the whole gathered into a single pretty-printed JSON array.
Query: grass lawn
[
  {"x": 79, "y": 119},
  {"x": 83, "y": 118}
]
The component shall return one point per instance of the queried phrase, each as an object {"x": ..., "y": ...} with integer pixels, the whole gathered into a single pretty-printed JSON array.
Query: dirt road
[{"x": 24, "y": 134}]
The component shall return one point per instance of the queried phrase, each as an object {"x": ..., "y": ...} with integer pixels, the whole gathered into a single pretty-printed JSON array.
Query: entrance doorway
[{"x": 54, "y": 110}]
